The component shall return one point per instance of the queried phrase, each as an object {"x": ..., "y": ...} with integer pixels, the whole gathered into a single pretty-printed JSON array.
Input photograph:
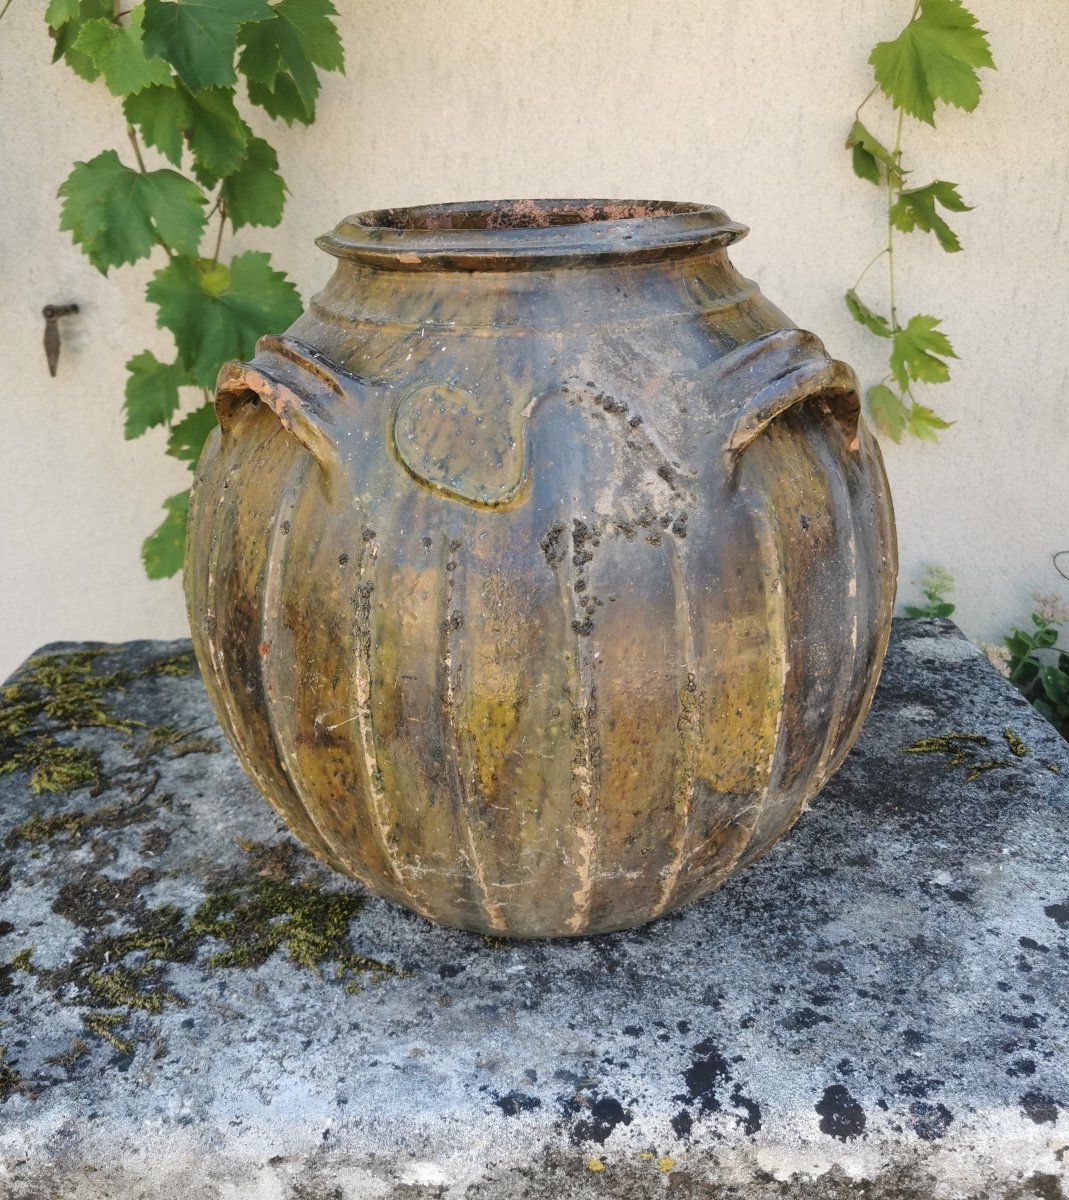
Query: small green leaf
[
  {"x": 872, "y": 160},
  {"x": 217, "y": 313},
  {"x": 163, "y": 551},
  {"x": 918, "y": 352},
  {"x": 924, "y": 424},
  {"x": 218, "y": 136},
  {"x": 888, "y": 411},
  {"x": 865, "y": 166},
  {"x": 915, "y": 209},
  {"x": 65, "y": 20},
  {"x": 255, "y": 194},
  {"x": 162, "y": 114},
  {"x": 199, "y": 37},
  {"x": 1055, "y": 684},
  {"x": 1047, "y": 638},
  {"x": 189, "y": 435},
  {"x": 151, "y": 393},
  {"x": 117, "y": 53},
  {"x": 1019, "y": 644},
  {"x": 116, "y": 215},
  {"x": 864, "y": 315},
  {"x": 279, "y": 57},
  {"x": 935, "y": 57}
]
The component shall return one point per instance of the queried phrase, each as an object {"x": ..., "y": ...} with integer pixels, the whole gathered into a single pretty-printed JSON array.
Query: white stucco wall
[{"x": 744, "y": 105}]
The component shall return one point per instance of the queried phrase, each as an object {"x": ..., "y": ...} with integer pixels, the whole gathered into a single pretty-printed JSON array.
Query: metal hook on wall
[{"x": 51, "y": 314}]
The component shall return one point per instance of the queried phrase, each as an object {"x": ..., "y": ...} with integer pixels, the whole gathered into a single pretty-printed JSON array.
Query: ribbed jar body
[{"x": 540, "y": 591}]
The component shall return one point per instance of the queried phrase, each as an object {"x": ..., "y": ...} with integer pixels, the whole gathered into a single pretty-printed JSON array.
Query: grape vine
[
  {"x": 175, "y": 66},
  {"x": 936, "y": 58}
]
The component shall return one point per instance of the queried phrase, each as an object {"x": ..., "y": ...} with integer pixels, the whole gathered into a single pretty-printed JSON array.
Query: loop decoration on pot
[{"x": 465, "y": 446}]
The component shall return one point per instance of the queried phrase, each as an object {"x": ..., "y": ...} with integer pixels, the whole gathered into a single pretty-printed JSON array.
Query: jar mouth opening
[{"x": 507, "y": 234}]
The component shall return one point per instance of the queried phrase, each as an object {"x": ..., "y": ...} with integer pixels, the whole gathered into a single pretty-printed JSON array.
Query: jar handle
[
  {"x": 298, "y": 384},
  {"x": 765, "y": 378}
]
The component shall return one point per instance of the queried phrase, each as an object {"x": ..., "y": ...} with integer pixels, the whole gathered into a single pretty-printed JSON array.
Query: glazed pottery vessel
[{"x": 542, "y": 572}]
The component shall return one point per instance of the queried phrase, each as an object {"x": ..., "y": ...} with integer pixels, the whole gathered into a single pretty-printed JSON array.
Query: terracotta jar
[{"x": 542, "y": 572}]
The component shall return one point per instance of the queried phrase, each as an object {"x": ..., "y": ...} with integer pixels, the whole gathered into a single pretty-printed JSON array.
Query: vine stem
[
  {"x": 132, "y": 135},
  {"x": 897, "y": 154},
  {"x": 220, "y": 204},
  {"x": 868, "y": 266},
  {"x": 4, "y": 9},
  {"x": 857, "y": 111}
]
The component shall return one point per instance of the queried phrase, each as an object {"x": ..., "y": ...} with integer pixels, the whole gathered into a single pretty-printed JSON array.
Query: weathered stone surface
[{"x": 878, "y": 1008}]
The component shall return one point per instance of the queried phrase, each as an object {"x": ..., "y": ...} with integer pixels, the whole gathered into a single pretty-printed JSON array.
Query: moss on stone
[
  {"x": 175, "y": 665},
  {"x": 1013, "y": 740},
  {"x": 982, "y": 768},
  {"x": 175, "y": 742},
  {"x": 260, "y": 916},
  {"x": 963, "y": 749},
  {"x": 65, "y": 689},
  {"x": 252, "y": 911},
  {"x": 53, "y": 767},
  {"x": 104, "y": 1025}
]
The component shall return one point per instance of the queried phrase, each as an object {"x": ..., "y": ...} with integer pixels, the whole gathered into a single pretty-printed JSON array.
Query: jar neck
[{"x": 511, "y": 235}]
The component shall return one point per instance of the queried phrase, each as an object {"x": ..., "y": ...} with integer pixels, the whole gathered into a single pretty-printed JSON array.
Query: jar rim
[{"x": 517, "y": 234}]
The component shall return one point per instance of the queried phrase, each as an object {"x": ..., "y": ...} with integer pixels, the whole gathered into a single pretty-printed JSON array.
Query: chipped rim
[{"x": 516, "y": 234}]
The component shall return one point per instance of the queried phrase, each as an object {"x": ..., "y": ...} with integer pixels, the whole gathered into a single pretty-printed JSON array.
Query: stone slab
[{"x": 189, "y": 1008}]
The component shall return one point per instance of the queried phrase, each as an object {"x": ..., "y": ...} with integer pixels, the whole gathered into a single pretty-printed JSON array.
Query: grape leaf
[
  {"x": 151, "y": 392},
  {"x": 255, "y": 193},
  {"x": 199, "y": 37},
  {"x": 918, "y": 352},
  {"x": 116, "y": 215},
  {"x": 871, "y": 158},
  {"x": 282, "y": 102},
  {"x": 923, "y": 423},
  {"x": 936, "y": 57},
  {"x": 65, "y": 19},
  {"x": 117, "y": 53},
  {"x": 279, "y": 57},
  {"x": 59, "y": 12},
  {"x": 217, "y": 312},
  {"x": 915, "y": 209},
  {"x": 162, "y": 552},
  {"x": 162, "y": 114},
  {"x": 218, "y": 136},
  {"x": 888, "y": 411},
  {"x": 189, "y": 435},
  {"x": 864, "y": 315}
]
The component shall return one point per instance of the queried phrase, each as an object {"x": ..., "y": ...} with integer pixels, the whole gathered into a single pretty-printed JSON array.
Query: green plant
[
  {"x": 936, "y": 57},
  {"x": 1035, "y": 663},
  {"x": 935, "y": 582},
  {"x": 175, "y": 66}
]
